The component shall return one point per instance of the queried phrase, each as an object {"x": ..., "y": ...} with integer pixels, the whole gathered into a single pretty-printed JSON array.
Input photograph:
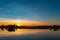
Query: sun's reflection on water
[
  {"x": 17, "y": 32},
  {"x": 10, "y": 32}
]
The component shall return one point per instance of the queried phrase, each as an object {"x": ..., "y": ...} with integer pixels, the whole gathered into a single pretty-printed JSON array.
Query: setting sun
[{"x": 18, "y": 24}]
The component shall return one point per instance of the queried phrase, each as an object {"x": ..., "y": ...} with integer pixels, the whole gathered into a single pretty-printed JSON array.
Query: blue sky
[{"x": 45, "y": 10}]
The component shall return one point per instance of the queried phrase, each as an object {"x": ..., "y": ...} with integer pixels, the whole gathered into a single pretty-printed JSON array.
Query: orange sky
[{"x": 23, "y": 22}]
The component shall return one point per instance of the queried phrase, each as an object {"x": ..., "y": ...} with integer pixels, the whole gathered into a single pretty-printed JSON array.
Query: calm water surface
[{"x": 30, "y": 34}]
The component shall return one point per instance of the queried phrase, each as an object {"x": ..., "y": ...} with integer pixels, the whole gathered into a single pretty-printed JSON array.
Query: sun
[{"x": 18, "y": 24}]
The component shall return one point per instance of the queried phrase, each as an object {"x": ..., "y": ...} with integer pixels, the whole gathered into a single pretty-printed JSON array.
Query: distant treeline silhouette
[
  {"x": 30, "y": 27},
  {"x": 15, "y": 27}
]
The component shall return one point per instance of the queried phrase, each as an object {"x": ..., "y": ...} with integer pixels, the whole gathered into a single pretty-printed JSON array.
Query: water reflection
[
  {"x": 14, "y": 29},
  {"x": 54, "y": 29},
  {"x": 17, "y": 33},
  {"x": 33, "y": 33},
  {"x": 9, "y": 29}
]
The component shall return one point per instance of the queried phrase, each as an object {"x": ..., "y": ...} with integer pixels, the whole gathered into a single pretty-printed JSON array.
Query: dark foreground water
[{"x": 30, "y": 34}]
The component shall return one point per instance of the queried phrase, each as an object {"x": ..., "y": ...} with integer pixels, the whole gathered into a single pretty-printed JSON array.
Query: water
[{"x": 30, "y": 34}]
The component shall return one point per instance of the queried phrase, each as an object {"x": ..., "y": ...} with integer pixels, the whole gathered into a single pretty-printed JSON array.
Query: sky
[{"x": 43, "y": 12}]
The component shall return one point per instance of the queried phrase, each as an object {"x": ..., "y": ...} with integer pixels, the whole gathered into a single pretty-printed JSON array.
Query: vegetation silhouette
[{"x": 12, "y": 28}]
